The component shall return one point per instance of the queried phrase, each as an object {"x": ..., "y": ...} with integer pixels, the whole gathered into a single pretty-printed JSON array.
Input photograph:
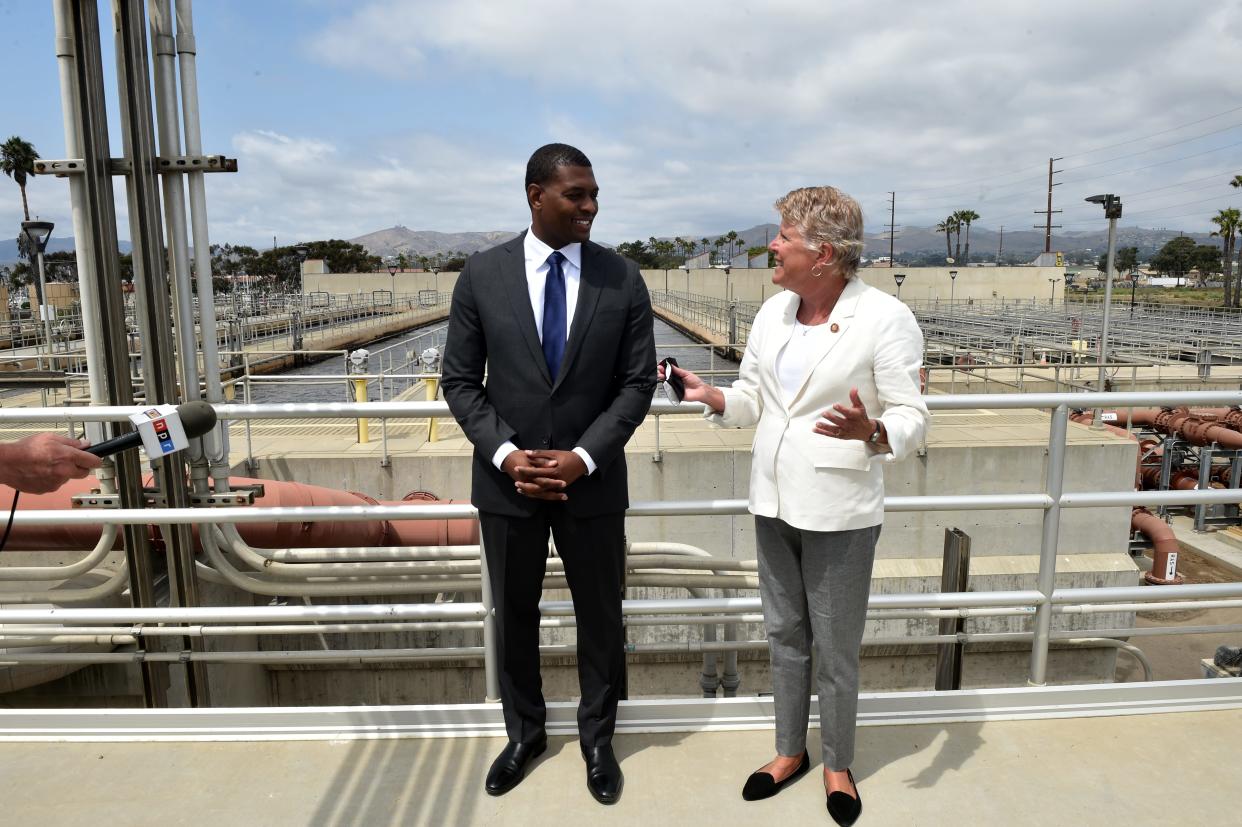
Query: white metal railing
[{"x": 1040, "y": 603}]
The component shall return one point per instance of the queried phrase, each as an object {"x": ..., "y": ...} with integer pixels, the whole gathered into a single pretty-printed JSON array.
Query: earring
[{"x": 819, "y": 268}]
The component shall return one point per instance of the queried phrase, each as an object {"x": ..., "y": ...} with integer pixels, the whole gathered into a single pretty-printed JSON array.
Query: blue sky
[{"x": 351, "y": 117}]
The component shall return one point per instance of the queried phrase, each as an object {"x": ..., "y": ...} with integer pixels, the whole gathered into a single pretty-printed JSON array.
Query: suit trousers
[
  {"x": 593, "y": 552},
  {"x": 814, "y": 586}
]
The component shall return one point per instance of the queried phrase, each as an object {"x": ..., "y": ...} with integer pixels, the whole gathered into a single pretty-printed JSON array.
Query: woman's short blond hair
[{"x": 825, "y": 215}]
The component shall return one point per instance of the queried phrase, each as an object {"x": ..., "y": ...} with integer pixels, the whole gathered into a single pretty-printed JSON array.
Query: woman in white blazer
[{"x": 830, "y": 382}]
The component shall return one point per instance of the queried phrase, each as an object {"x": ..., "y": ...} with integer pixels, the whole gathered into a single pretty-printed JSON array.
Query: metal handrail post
[
  {"x": 1048, "y": 544},
  {"x": 1205, "y": 479},
  {"x": 251, "y": 463},
  {"x": 491, "y": 673}
]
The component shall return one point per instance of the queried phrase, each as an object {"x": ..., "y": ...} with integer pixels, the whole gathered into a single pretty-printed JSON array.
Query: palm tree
[
  {"x": 957, "y": 232},
  {"x": 1237, "y": 183},
  {"x": 17, "y": 157},
  {"x": 1228, "y": 222},
  {"x": 946, "y": 227},
  {"x": 731, "y": 237},
  {"x": 968, "y": 216}
]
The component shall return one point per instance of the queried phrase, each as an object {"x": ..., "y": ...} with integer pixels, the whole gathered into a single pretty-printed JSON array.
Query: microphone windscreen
[{"x": 197, "y": 418}]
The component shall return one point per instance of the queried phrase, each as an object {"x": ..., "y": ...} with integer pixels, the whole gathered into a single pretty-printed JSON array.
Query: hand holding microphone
[{"x": 161, "y": 430}]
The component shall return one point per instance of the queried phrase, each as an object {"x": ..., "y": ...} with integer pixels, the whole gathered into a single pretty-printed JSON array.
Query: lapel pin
[{"x": 834, "y": 327}]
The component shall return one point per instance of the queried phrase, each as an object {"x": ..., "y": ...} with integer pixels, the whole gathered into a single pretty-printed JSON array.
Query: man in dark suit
[{"x": 564, "y": 329}]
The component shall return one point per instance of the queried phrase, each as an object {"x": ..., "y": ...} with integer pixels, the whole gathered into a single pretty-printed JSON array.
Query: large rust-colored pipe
[
  {"x": 1165, "y": 548},
  {"x": 276, "y": 493},
  {"x": 1198, "y": 426},
  {"x": 1086, "y": 418}
]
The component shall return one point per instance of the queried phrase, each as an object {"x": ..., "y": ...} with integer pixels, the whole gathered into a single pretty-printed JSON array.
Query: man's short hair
[{"x": 543, "y": 164}]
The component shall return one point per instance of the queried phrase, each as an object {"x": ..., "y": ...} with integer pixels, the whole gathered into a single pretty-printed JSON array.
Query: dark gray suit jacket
[{"x": 603, "y": 391}]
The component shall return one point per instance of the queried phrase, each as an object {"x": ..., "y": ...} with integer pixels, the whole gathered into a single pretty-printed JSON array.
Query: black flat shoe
[
  {"x": 843, "y": 807},
  {"x": 604, "y": 778},
  {"x": 509, "y": 768},
  {"x": 762, "y": 785}
]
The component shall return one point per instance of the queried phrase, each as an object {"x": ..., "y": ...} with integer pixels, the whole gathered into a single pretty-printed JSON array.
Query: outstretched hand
[
  {"x": 847, "y": 421},
  {"x": 696, "y": 389}
]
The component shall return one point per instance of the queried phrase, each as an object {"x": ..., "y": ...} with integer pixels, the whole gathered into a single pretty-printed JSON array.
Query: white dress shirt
[{"x": 537, "y": 253}]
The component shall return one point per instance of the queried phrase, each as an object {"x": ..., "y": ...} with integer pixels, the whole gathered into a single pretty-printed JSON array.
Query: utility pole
[
  {"x": 1000, "y": 245},
  {"x": 1048, "y": 225},
  {"x": 892, "y": 228}
]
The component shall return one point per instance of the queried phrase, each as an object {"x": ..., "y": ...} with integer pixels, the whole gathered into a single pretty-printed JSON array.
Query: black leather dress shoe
[
  {"x": 604, "y": 778},
  {"x": 843, "y": 807},
  {"x": 762, "y": 785},
  {"x": 510, "y": 766}
]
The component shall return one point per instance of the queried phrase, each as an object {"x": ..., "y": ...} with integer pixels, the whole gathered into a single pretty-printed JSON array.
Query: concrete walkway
[{"x": 1168, "y": 769}]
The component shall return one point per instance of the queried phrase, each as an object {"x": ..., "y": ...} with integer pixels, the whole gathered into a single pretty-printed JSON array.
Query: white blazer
[{"x": 816, "y": 482}]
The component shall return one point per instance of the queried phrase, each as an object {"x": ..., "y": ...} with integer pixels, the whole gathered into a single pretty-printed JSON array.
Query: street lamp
[
  {"x": 899, "y": 278},
  {"x": 301, "y": 250},
  {"x": 1112, "y": 211},
  {"x": 38, "y": 233},
  {"x": 1052, "y": 299},
  {"x": 952, "y": 287},
  {"x": 1133, "y": 286},
  {"x": 392, "y": 272}
]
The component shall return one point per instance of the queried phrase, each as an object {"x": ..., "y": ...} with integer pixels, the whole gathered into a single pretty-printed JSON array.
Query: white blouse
[{"x": 794, "y": 357}]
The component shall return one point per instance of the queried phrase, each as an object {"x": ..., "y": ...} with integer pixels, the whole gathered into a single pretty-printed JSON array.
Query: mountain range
[
  {"x": 910, "y": 241},
  {"x": 397, "y": 240}
]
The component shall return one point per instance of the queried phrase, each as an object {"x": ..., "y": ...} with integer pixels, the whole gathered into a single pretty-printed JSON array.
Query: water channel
[{"x": 324, "y": 381}]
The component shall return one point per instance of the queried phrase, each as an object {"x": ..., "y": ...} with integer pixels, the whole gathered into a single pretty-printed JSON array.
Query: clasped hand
[{"x": 544, "y": 475}]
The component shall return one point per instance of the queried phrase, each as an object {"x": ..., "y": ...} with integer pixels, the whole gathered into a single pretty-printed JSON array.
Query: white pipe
[
  {"x": 88, "y": 289},
  {"x": 217, "y": 442},
  {"x": 165, "y": 94},
  {"x": 106, "y": 540},
  {"x": 8, "y": 641},
  {"x": 366, "y": 554},
  {"x": 93, "y": 594}
]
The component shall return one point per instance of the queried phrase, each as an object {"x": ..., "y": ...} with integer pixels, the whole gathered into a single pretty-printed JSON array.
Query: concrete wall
[
  {"x": 405, "y": 284},
  {"x": 921, "y": 284}
]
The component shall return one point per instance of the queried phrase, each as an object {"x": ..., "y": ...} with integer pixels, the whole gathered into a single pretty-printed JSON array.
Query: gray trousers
[{"x": 814, "y": 586}]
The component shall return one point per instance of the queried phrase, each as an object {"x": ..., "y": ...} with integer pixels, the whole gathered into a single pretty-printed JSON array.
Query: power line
[
  {"x": 1153, "y": 149},
  {"x": 1157, "y": 134},
  {"x": 993, "y": 177},
  {"x": 1157, "y": 164},
  {"x": 1216, "y": 177}
]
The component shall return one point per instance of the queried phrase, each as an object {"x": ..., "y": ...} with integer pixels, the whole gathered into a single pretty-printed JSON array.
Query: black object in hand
[{"x": 674, "y": 387}]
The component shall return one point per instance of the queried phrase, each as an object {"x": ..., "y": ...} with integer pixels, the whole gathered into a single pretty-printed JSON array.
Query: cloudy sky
[{"x": 348, "y": 117}]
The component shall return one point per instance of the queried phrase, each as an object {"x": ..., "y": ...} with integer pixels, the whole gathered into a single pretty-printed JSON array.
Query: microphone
[{"x": 196, "y": 419}]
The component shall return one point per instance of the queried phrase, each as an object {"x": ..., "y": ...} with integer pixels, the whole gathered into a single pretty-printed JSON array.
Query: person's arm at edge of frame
[{"x": 44, "y": 462}]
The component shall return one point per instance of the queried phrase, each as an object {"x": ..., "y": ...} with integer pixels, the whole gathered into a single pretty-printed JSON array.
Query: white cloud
[
  {"x": 717, "y": 108},
  {"x": 698, "y": 115}
]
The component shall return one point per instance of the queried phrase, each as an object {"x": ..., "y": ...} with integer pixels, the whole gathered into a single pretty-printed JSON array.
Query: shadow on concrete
[{"x": 954, "y": 744}]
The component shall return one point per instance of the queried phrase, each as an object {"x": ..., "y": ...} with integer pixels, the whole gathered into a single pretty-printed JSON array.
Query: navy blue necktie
[{"x": 554, "y": 314}]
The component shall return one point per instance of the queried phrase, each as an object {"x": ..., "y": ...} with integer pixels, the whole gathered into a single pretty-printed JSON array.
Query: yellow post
[
  {"x": 360, "y": 395},
  {"x": 433, "y": 387}
]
